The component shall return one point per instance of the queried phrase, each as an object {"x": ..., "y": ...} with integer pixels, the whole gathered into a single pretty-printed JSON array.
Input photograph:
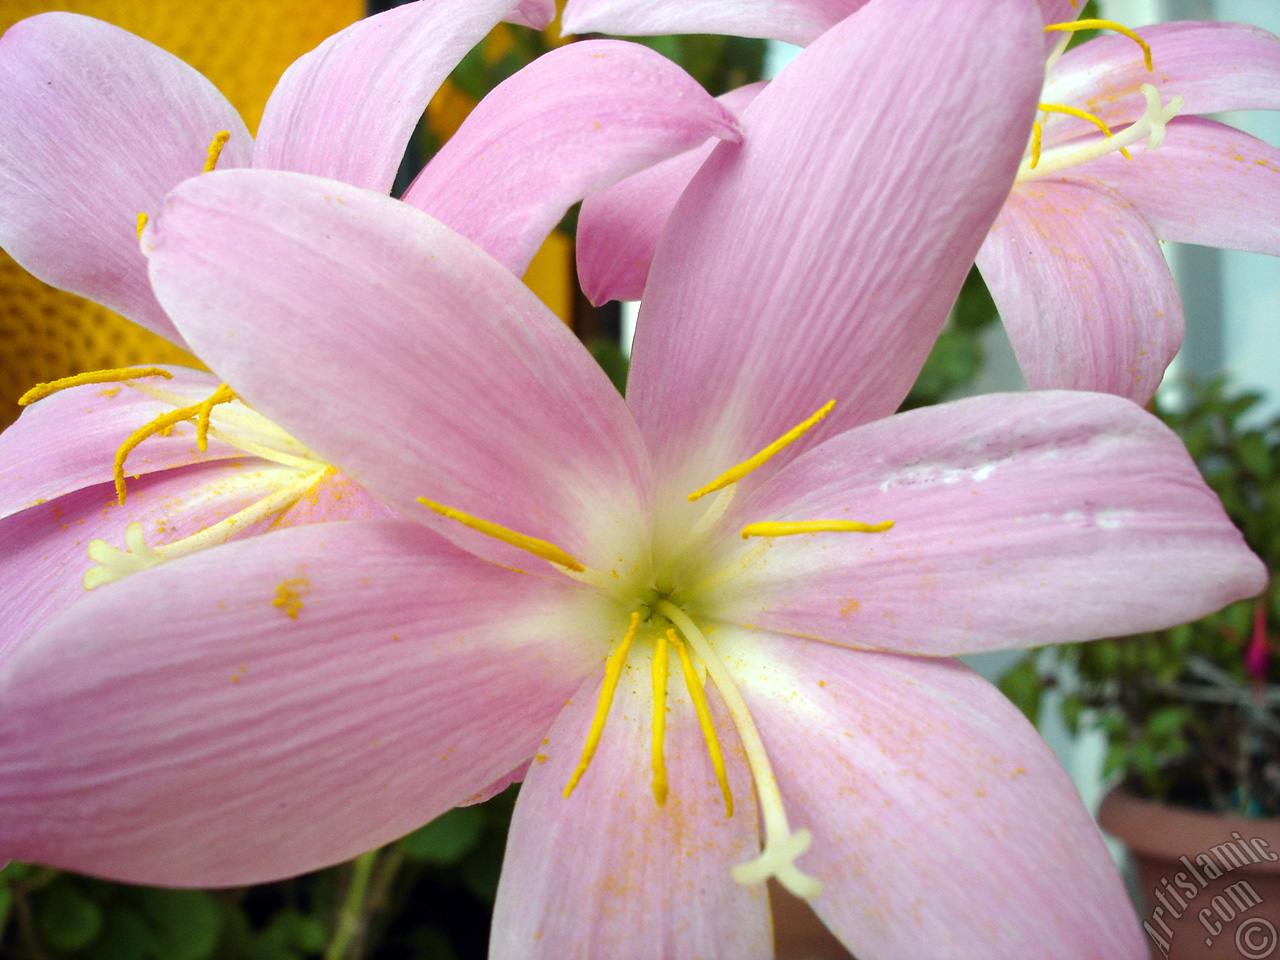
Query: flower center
[
  {"x": 221, "y": 415},
  {"x": 1039, "y": 163},
  {"x": 658, "y": 608}
]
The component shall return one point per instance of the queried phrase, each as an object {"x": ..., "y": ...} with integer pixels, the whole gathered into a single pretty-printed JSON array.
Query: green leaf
[
  {"x": 1168, "y": 720},
  {"x": 66, "y": 918},
  {"x": 612, "y": 360},
  {"x": 1021, "y": 684},
  {"x": 186, "y": 923},
  {"x": 974, "y": 310},
  {"x": 1072, "y": 710},
  {"x": 125, "y": 936},
  {"x": 1115, "y": 760},
  {"x": 309, "y": 933},
  {"x": 446, "y": 839},
  {"x": 15, "y": 871},
  {"x": 1253, "y": 453}
]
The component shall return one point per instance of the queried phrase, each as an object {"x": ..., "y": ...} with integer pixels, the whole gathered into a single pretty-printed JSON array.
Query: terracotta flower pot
[{"x": 1211, "y": 882}]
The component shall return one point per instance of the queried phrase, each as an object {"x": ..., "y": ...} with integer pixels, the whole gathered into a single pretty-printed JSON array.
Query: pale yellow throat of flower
[
  {"x": 1150, "y": 126},
  {"x": 241, "y": 428},
  {"x": 677, "y": 630}
]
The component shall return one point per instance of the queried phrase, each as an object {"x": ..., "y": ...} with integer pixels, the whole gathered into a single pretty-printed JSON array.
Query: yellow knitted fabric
[{"x": 242, "y": 46}]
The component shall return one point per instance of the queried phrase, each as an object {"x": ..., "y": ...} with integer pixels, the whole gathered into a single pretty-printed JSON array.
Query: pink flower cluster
[{"x": 407, "y": 544}]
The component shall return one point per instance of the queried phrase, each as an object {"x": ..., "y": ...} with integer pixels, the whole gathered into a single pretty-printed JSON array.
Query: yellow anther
[
  {"x": 768, "y": 529},
  {"x": 1083, "y": 115},
  {"x": 1120, "y": 28},
  {"x": 223, "y": 394},
  {"x": 612, "y": 673},
  {"x": 1037, "y": 134},
  {"x": 197, "y": 411},
  {"x": 142, "y": 223},
  {"x": 539, "y": 548},
  {"x": 699, "y": 697},
  {"x": 215, "y": 150},
  {"x": 42, "y": 390},
  {"x": 734, "y": 474},
  {"x": 659, "y": 719}
]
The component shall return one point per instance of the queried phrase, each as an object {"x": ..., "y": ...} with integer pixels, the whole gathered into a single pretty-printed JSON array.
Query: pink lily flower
[
  {"x": 103, "y": 124},
  {"x": 701, "y": 710},
  {"x": 1073, "y": 262}
]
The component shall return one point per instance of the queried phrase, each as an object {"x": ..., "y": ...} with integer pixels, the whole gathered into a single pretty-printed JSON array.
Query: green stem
[{"x": 350, "y": 920}]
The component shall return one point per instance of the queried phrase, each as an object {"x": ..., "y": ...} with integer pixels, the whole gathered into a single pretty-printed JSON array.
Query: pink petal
[
  {"x": 1208, "y": 183},
  {"x": 405, "y": 356},
  {"x": 45, "y": 554},
  {"x": 69, "y": 440},
  {"x": 99, "y": 126},
  {"x": 181, "y": 727},
  {"x": 533, "y": 13},
  {"x": 1058, "y": 11},
  {"x": 795, "y": 21},
  {"x": 574, "y": 121},
  {"x": 830, "y": 238},
  {"x": 347, "y": 109},
  {"x": 618, "y": 228},
  {"x": 942, "y": 825},
  {"x": 1020, "y": 519},
  {"x": 495, "y": 788},
  {"x": 335, "y": 497},
  {"x": 607, "y": 872},
  {"x": 1083, "y": 288},
  {"x": 1212, "y": 66}
]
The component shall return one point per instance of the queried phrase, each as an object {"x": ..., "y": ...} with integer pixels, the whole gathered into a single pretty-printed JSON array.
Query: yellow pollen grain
[
  {"x": 1083, "y": 115},
  {"x": 770, "y": 529},
  {"x": 215, "y": 150},
  {"x": 142, "y": 223},
  {"x": 1074, "y": 25},
  {"x": 736, "y": 473},
  {"x": 659, "y": 719},
  {"x": 289, "y": 595},
  {"x": 699, "y": 697},
  {"x": 42, "y": 390},
  {"x": 612, "y": 673},
  {"x": 539, "y": 548}
]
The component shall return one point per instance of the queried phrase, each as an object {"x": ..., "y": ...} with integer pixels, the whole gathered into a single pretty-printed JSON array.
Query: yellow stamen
[
  {"x": 1083, "y": 115},
  {"x": 769, "y": 529},
  {"x": 734, "y": 474},
  {"x": 114, "y": 564},
  {"x": 539, "y": 548},
  {"x": 612, "y": 673},
  {"x": 659, "y": 719},
  {"x": 1037, "y": 134},
  {"x": 223, "y": 394},
  {"x": 215, "y": 150},
  {"x": 199, "y": 412},
  {"x": 142, "y": 222},
  {"x": 782, "y": 845},
  {"x": 42, "y": 390},
  {"x": 699, "y": 697},
  {"x": 1120, "y": 28}
]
